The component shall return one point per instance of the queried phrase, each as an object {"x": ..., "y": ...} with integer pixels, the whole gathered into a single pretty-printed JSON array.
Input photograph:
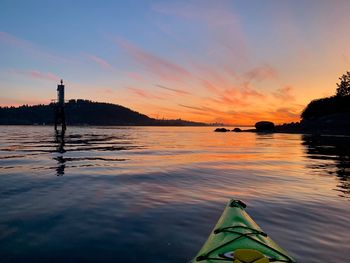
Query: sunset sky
[{"x": 235, "y": 61}]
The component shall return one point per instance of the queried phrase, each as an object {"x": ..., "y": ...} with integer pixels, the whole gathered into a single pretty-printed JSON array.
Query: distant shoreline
[
  {"x": 101, "y": 125},
  {"x": 313, "y": 132}
]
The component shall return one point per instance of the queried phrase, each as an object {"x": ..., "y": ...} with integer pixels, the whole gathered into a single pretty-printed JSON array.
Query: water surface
[{"x": 153, "y": 194}]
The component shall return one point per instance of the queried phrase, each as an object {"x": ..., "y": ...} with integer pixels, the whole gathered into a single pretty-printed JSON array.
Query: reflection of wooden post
[
  {"x": 60, "y": 118},
  {"x": 59, "y": 139}
]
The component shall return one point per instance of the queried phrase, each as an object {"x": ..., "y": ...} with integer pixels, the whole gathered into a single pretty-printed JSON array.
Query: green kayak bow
[{"x": 237, "y": 238}]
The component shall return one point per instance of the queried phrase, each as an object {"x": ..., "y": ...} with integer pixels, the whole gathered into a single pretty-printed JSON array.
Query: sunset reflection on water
[{"x": 109, "y": 194}]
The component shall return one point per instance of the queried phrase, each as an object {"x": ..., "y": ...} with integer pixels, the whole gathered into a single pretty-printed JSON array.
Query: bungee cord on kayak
[
  {"x": 237, "y": 237},
  {"x": 241, "y": 235}
]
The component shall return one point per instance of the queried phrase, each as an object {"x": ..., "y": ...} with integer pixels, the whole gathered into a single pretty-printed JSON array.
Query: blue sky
[{"x": 233, "y": 61}]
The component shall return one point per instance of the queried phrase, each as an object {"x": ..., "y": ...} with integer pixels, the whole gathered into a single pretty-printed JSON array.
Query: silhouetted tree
[{"x": 344, "y": 85}]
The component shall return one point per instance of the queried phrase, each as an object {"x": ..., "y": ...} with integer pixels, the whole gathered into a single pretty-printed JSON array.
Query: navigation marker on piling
[{"x": 60, "y": 118}]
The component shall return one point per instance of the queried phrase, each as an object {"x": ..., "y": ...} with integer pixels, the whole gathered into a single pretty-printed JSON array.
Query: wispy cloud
[
  {"x": 261, "y": 72},
  {"x": 14, "y": 41},
  {"x": 219, "y": 20},
  {"x": 250, "y": 92},
  {"x": 228, "y": 100},
  {"x": 285, "y": 94},
  {"x": 210, "y": 87},
  {"x": 99, "y": 61},
  {"x": 143, "y": 94},
  {"x": 35, "y": 74},
  {"x": 228, "y": 77},
  {"x": 135, "y": 76},
  {"x": 203, "y": 109},
  {"x": 229, "y": 93},
  {"x": 285, "y": 114},
  {"x": 178, "y": 91},
  {"x": 161, "y": 67},
  {"x": 31, "y": 48},
  {"x": 223, "y": 116}
]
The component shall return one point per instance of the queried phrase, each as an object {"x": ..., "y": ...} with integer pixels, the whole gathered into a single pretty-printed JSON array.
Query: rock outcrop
[
  {"x": 264, "y": 126},
  {"x": 221, "y": 130}
]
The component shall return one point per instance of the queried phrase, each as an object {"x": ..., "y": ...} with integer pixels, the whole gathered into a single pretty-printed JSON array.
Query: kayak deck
[{"x": 236, "y": 231}]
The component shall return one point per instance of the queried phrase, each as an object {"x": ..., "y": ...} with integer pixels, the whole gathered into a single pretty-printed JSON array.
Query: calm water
[{"x": 153, "y": 194}]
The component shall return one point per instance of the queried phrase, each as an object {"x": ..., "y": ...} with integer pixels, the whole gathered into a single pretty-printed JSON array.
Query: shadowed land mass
[
  {"x": 84, "y": 112},
  {"x": 329, "y": 115}
]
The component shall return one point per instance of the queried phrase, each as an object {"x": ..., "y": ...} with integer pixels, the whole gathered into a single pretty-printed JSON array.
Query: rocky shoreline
[{"x": 334, "y": 124}]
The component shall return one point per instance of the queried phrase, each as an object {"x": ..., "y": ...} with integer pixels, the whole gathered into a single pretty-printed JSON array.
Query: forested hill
[
  {"x": 83, "y": 112},
  {"x": 326, "y": 106},
  {"x": 329, "y": 115}
]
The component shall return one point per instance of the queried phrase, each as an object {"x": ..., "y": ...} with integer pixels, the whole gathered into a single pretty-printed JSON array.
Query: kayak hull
[{"x": 236, "y": 230}]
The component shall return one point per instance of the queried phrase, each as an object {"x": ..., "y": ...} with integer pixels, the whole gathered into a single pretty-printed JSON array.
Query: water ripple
[{"x": 107, "y": 194}]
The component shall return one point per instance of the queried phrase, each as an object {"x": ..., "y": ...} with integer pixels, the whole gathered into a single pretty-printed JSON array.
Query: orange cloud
[
  {"x": 203, "y": 109},
  {"x": 210, "y": 87},
  {"x": 225, "y": 100},
  {"x": 285, "y": 114},
  {"x": 230, "y": 79},
  {"x": 250, "y": 92},
  {"x": 210, "y": 115},
  {"x": 234, "y": 96},
  {"x": 284, "y": 94},
  {"x": 239, "y": 117}
]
